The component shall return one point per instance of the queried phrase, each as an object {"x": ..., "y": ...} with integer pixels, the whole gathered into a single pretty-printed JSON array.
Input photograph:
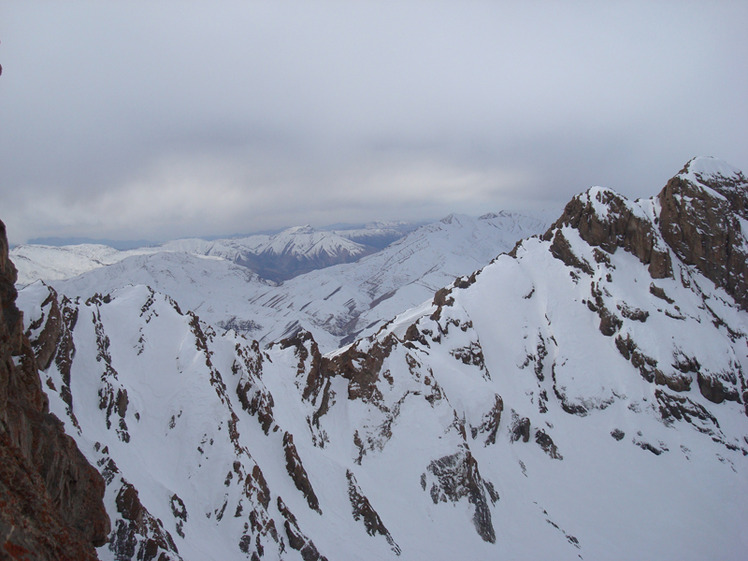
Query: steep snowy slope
[{"x": 581, "y": 397}]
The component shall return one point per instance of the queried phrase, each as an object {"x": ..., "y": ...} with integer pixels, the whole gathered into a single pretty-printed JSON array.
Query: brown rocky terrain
[{"x": 51, "y": 505}]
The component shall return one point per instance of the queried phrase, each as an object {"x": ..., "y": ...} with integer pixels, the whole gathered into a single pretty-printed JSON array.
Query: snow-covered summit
[
  {"x": 708, "y": 169},
  {"x": 310, "y": 243}
]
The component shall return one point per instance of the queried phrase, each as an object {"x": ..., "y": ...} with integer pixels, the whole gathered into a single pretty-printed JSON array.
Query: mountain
[
  {"x": 51, "y": 263},
  {"x": 334, "y": 304},
  {"x": 281, "y": 256},
  {"x": 581, "y": 397},
  {"x": 342, "y": 302},
  {"x": 50, "y": 497},
  {"x": 274, "y": 257}
]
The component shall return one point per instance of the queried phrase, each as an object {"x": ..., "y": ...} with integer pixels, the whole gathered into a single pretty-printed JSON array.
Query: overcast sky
[{"x": 157, "y": 120}]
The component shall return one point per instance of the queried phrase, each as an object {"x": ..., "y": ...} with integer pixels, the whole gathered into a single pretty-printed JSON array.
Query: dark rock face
[
  {"x": 51, "y": 499},
  {"x": 491, "y": 422},
  {"x": 362, "y": 510},
  {"x": 138, "y": 535},
  {"x": 702, "y": 225},
  {"x": 620, "y": 227},
  {"x": 455, "y": 477},
  {"x": 296, "y": 470},
  {"x": 296, "y": 538}
]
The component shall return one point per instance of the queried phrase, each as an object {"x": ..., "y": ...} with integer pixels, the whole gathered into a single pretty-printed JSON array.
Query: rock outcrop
[
  {"x": 51, "y": 499},
  {"x": 605, "y": 219},
  {"x": 703, "y": 208}
]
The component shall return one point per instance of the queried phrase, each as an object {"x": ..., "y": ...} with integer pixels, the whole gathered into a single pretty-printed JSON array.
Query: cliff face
[
  {"x": 51, "y": 503},
  {"x": 704, "y": 212}
]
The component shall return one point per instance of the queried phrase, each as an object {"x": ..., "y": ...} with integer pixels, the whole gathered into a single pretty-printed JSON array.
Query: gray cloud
[{"x": 168, "y": 119}]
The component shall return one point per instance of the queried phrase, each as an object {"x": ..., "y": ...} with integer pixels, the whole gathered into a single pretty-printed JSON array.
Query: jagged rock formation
[
  {"x": 703, "y": 217},
  {"x": 586, "y": 387},
  {"x": 50, "y": 498}
]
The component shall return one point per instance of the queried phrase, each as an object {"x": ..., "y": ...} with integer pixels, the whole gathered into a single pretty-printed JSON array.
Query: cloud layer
[{"x": 166, "y": 119}]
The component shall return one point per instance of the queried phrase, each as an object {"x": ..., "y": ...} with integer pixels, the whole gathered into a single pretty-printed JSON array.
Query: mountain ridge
[
  {"x": 276, "y": 257},
  {"x": 583, "y": 389}
]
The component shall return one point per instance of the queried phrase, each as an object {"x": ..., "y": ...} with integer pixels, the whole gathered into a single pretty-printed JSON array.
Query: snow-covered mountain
[
  {"x": 581, "y": 397},
  {"x": 51, "y": 263},
  {"x": 281, "y": 256},
  {"x": 341, "y": 302},
  {"x": 334, "y": 303},
  {"x": 274, "y": 257}
]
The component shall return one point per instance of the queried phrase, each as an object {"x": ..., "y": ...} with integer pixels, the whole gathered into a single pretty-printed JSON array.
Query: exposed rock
[
  {"x": 362, "y": 367},
  {"x": 520, "y": 429},
  {"x": 561, "y": 249},
  {"x": 644, "y": 445},
  {"x": 715, "y": 389},
  {"x": 632, "y": 313},
  {"x": 491, "y": 422},
  {"x": 296, "y": 470},
  {"x": 471, "y": 354},
  {"x": 51, "y": 499},
  {"x": 254, "y": 399},
  {"x": 138, "y": 534},
  {"x": 647, "y": 366},
  {"x": 660, "y": 293},
  {"x": 455, "y": 477},
  {"x": 316, "y": 388},
  {"x": 675, "y": 407},
  {"x": 362, "y": 510},
  {"x": 547, "y": 444},
  {"x": 609, "y": 322},
  {"x": 701, "y": 220},
  {"x": 296, "y": 538},
  {"x": 180, "y": 513},
  {"x": 618, "y": 226}
]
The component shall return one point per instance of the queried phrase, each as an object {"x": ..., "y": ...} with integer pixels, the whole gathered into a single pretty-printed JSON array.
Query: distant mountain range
[
  {"x": 219, "y": 280},
  {"x": 272, "y": 256}
]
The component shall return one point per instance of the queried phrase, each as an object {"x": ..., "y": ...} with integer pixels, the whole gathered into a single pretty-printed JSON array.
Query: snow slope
[
  {"x": 51, "y": 263},
  {"x": 356, "y": 298}
]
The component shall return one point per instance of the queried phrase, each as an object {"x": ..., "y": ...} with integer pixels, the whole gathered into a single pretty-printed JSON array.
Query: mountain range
[
  {"x": 217, "y": 281},
  {"x": 274, "y": 257},
  {"x": 578, "y": 394}
]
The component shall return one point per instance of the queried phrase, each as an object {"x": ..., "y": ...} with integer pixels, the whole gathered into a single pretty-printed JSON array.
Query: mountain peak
[
  {"x": 305, "y": 229},
  {"x": 719, "y": 176},
  {"x": 709, "y": 168},
  {"x": 702, "y": 218}
]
